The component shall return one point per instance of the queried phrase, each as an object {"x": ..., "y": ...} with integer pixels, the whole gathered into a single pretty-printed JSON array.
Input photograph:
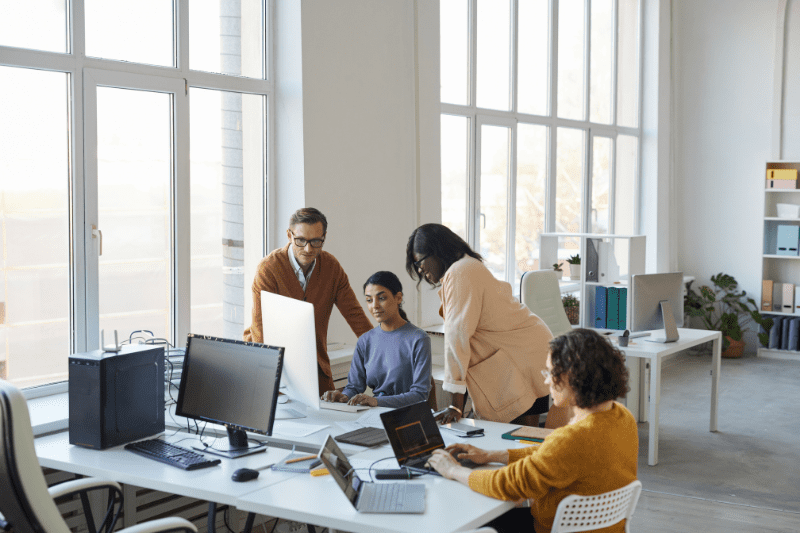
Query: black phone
[{"x": 395, "y": 473}]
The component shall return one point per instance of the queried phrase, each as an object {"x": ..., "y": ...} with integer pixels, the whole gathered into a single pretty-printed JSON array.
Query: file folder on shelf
[
  {"x": 788, "y": 239},
  {"x": 794, "y": 334},
  {"x": 623, "y": 308},
  {"x": 766, "y": 295},
  {"x": 612, "y": 308},
  {"x": 592, "y": 260},
  {"x": 787, "y": 301},
  {"x": 775, "y": 335},
  {"x": 785, "y": 333},
  {"x": 783, "y": 178},
  {"x": 600, "y": 297}
]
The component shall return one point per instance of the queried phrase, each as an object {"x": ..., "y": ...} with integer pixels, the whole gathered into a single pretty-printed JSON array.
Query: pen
[{"x": 299, "y": 459}]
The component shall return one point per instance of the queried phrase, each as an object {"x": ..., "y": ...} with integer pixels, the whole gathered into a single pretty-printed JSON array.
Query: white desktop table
[
  {"x": 655, "y": 353},
  {"x": 450, "y": 506}
]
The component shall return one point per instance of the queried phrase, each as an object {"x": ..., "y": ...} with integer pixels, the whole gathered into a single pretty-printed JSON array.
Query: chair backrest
[
  {"x": 540, "y": 292},
  {"x": 588, "y": 513},
  {"x": 24, "y": 500}
]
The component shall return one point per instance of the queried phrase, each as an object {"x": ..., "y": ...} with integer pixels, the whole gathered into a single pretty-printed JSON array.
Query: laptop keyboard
[{"x": 388, "y": 497}]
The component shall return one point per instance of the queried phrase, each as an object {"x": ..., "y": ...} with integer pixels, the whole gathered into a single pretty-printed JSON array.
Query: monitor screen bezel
[{"x": 179, "y": 411}]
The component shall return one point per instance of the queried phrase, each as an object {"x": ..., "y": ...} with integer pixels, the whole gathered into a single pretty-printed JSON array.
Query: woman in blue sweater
[{"x": 393, "y": 359}]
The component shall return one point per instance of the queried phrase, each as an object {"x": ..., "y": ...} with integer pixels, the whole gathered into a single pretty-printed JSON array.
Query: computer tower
[{"x": 115, "y": 398}]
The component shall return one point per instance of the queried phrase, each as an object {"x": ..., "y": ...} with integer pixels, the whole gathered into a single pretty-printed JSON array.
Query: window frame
[
  {"x": 80, "y": 69},
  {"x": 551, "y": 121}
]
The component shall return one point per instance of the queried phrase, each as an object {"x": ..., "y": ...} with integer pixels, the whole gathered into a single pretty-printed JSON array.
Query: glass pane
[
  {"x": 628, "y": 64},
  {"x": 601, "y": 51},
  {"x": 134, "y": 171},
  {"x": 493, "y": 216},
  {"x": 570, "y": 156},
  {"x": 601, "y": 181},
  {"x": 454, "y": 43},
  {"x": 227, "y": 37},
  {"x": 35, "y": 24},
  {"x": 571, "y": 60},
  {"x": 139, "y": 32},
  {"x": 34, "y": 212},
  {"x": 531, "y": 199},
  {"x": 226, "y": 148},
  {"x": 533, "y": 70},
  {"x": 627, "y": 163},
  {"x": 494, "y": 54},
  {"x": 455, "y": 173}
]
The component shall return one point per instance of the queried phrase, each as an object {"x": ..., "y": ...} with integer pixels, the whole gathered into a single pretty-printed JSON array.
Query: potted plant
[
  {"x": 557, "y": 268},
  {"x": 723, "y": 308},
  {"x": 573, "y": 307},
  {"x": 575, "y": 266}
]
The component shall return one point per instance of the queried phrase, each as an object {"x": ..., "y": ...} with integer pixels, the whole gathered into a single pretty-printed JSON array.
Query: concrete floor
[{"x": 754, "y": 458}]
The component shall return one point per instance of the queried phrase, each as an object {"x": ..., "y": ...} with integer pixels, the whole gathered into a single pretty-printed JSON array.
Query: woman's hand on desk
[
  {"x": 334, "y": 396},
  {"x": 446, "y": 465},
  {"x": 477, "y": 455},
  {"x": 363, "y": 399}
]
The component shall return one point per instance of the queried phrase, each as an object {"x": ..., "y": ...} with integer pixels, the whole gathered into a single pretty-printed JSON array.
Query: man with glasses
[{"x": 303, "y": 271}]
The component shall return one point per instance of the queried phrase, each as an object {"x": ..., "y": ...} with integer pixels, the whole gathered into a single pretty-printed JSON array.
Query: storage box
[{"x": 788, "y": 210}]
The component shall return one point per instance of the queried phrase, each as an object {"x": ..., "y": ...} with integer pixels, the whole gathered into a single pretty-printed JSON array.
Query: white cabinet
[
  {"x": 775, "y": 267},
  {"x": 626, "y": 251}
]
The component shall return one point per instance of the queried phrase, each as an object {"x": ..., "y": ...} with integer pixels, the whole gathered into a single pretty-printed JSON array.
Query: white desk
[
  {"x": 316, "y": 500},
  {"x": 655, "y": 353}
]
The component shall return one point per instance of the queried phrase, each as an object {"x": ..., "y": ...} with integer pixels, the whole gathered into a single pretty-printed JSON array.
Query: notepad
[{"x": 527, "y": 433}]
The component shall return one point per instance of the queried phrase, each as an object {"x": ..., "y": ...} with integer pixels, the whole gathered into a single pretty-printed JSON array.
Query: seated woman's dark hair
[
  {"x": 390, "y": 281},
  {"x": 590, "y": 365},
  {"x": 439, "y": 241}
]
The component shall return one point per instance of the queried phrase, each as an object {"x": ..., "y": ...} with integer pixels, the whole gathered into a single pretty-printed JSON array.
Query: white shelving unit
[
  {"x": 778, "y": 268},
  {"x": 628, "y": 251}
]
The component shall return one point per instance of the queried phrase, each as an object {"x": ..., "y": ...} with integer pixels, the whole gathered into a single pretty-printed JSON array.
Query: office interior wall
[
  {"x": 723, "y": 62},
  {"x": 790, "y": 142},
  {"x": 359, "y": 132}
]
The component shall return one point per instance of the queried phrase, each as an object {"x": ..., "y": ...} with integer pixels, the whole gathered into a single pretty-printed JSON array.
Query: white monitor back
[{"x": 290, "y": 323}]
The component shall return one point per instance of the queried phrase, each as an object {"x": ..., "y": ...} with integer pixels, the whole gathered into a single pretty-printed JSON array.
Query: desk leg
[
  {"x": 716, "y": 364},
  {"x": 655, "y": 410}
]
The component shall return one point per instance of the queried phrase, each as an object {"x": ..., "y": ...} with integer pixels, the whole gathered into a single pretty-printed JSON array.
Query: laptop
[
  {"x": 414, "y": 434},
  {"x": 368, "y": 497}
]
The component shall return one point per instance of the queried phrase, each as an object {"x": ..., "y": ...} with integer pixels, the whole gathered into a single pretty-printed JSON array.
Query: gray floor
[{"x": 746, "y": 476}]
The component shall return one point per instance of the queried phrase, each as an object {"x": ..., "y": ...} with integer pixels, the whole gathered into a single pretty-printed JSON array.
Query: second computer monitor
[
  {"x": 290, "y": 323},
  {"x": 652, "y": 293}
]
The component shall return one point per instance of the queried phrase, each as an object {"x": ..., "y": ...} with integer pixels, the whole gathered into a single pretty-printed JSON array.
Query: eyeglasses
[
  {"x": 302, "y": 243},
  {"x": 546, "y": 374},
  {"x": 418, "y": 264}
]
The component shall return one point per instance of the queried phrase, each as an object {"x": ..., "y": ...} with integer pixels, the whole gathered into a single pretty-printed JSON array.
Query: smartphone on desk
[{"x": 462, "y": 429}]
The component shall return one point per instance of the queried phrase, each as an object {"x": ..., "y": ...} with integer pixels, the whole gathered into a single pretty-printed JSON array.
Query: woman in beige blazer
[{"x": 494, "y": 347}]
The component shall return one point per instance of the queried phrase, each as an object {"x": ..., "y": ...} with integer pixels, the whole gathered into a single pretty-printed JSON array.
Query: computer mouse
[{"x": 244, "y": 474}]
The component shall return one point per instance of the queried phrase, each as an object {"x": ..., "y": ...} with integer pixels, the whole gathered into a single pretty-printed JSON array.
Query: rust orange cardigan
[{"x": 327, "y": 286}]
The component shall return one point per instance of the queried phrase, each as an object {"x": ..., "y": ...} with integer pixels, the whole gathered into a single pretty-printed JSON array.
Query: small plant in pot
[
  {"x": 574, "y": 266},
  {"x": 572, "y": 306},
  {"x": 557, "y": 268},
  {"x": 724, "y": 308}
]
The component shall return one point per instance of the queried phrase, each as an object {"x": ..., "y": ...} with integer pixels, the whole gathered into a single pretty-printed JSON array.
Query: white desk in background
[{"x": 656, "y": 352}]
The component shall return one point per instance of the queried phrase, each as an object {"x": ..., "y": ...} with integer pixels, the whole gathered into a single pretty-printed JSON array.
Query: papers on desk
[
  {"x": 372, "y": 419},
  {"x": 294, "y": 429}
]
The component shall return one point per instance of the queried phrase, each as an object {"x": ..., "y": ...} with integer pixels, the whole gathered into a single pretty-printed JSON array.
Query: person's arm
[
  {"x": 357, "y": 377},
  {"x": 263, "y": 281},
  {"x": 350, "y": 307},
  {"x": 421, "y": 381}
]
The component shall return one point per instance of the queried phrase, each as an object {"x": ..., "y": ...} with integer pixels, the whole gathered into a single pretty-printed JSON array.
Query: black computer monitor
[
  {"x": 657, "y": 302},
  {"x": 232, "y": 383}
]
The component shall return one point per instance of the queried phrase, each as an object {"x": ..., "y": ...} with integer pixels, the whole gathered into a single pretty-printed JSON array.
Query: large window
[
  {"x": 133, "y": 148},
  {"x": 540, "y": 123}
]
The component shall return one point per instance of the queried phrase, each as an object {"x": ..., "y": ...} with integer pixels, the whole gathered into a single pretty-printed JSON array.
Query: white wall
[
  {"x": 723, "y": 64},
  {"x": 361, "y": 150}
]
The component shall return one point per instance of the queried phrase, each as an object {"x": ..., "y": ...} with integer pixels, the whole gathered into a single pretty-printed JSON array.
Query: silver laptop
[{"x": 369, "y": 497}]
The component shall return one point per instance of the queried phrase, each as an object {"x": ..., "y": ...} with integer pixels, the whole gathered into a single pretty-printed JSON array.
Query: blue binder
[
  {"x": 612, "y": 308},
  {"x": 623, "y": 308},
  {"x": 785, "y": 333},
  {"x": 794, "y": 333},
  {"x": 600, "y": 297},
  {"x": 775, "y": 334}
]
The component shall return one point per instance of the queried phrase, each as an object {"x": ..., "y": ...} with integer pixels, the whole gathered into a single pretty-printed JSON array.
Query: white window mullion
[
  {"x": 474, "y": 144},
  {"x": 614, "y": 60},
  {"x": 586, "y": 201},
  {"x": 612, "y": 187},
  {"x": 550, "y": 225},
  {"x": 511, "y": 234},
  {"x": 587, "y": 55}
]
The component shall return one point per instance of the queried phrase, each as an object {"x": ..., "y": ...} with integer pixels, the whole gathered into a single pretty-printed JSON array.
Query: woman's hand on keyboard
[
  {"x": 477, "y": 455},
  {"x": 363, "y": 399},
  {"x": 334, "y": 396}
]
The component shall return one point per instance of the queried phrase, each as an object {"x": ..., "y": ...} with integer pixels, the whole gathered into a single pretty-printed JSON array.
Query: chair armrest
[
  {"x": 78, "y": 485},
  {"x": 162, "y": 524}
]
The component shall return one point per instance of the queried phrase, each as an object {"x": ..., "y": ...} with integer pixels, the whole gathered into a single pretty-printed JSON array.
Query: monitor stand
[
  {"x": 237, "y": 445},
  {"x": 670, "y": 328}
]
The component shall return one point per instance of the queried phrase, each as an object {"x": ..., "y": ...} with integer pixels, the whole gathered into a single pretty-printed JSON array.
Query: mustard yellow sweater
[{"x": 595, "y": 455}]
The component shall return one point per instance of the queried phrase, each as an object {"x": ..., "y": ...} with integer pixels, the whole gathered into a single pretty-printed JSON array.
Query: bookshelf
[
  {"x": 627, "y": 250},
  {"x": 775, "y": 267}
]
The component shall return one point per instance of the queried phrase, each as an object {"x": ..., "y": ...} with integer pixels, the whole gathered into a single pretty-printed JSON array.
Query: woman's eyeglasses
[
  {"x": 418, "y": 264},
  {"x": 546, "y": 374}
]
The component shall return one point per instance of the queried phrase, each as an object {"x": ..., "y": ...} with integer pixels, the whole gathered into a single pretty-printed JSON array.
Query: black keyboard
[
  {"x": 364, "y": 437},
  {"x": 171, "y": 454}
]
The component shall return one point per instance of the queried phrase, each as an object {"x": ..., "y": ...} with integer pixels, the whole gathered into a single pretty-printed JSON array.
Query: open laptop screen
[
  {"x": 412, "y": 432},
  {"x": 339, "y": 467}
]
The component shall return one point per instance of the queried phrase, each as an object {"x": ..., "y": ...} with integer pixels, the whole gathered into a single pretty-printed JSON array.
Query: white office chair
[
  {"x": 26, "y": 504},
  {"x": 588, "y": 513},
  {"x": 540, "y": 292}
]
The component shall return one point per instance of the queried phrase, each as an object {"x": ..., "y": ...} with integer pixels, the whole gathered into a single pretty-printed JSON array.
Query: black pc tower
[{"x": 116, "y": 398}]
